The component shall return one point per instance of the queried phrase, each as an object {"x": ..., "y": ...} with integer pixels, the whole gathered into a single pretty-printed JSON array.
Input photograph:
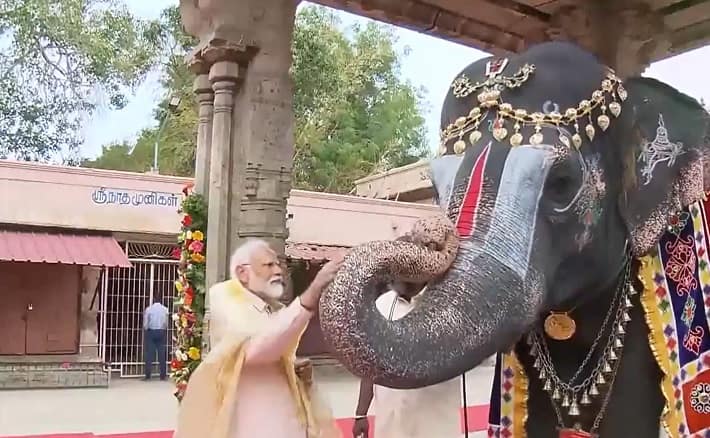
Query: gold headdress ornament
[{"x": 490, "y": 100}]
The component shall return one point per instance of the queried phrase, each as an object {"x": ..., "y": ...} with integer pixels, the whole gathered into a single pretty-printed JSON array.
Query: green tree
[
  {"x": 59, "y": 60},
  {"x": 354, "y": 114}
]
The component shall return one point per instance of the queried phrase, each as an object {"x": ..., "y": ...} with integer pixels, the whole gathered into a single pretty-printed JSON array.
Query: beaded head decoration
[{"x": 607, "y": 97}]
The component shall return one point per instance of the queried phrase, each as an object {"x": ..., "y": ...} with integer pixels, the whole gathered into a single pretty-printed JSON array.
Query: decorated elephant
[{"x": 572, "y": 245}]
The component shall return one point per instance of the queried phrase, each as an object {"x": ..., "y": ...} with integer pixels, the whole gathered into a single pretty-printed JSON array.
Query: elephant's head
[{"x": 552, "y": 169}]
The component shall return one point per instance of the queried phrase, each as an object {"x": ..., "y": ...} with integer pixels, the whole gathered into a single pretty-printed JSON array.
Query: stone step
[{"x": 19, "y": 375}]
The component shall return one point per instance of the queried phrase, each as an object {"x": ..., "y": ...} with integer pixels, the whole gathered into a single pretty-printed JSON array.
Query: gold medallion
[{"x": 560, "y": 326}]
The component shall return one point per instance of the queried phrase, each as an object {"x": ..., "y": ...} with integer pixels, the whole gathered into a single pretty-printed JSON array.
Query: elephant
[{"x": 554, "y": 178}]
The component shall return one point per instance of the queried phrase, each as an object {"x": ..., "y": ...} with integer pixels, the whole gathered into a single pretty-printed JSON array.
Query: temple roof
[{"x": 510, "y": 25}]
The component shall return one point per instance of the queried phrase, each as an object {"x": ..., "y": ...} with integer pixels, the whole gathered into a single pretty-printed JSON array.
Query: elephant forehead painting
[{"x": 554, "y": 177}]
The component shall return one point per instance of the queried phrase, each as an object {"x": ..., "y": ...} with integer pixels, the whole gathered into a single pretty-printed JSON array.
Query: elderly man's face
[{"x": 263, "y": 275}]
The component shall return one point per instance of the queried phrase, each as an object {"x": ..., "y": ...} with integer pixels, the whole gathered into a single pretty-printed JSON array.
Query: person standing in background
[
  {"x": 432, "y": 411},
  {"x": 155, "y": 325}
]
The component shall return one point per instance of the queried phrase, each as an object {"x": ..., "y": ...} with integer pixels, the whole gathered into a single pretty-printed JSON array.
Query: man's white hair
[{"x": 243, "y": 254}]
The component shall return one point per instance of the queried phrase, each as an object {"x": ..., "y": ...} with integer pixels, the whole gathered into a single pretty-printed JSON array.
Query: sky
[{"x": 686, "y": 72}]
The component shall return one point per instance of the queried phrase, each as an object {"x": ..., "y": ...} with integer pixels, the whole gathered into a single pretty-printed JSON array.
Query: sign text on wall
[{"x": 104, "y": 196}]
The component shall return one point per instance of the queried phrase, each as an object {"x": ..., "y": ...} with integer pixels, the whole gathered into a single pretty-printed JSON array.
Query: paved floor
[{"x": 136, "y": 406}]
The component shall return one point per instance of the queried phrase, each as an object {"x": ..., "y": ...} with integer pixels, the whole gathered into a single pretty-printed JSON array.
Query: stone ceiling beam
[
  {"x": 434, "y": 21},
  {"x": 639, "y": 38}
]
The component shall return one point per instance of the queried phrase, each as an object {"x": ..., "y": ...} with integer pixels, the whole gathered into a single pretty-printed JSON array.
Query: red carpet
[{"x": 477, "y": 420}]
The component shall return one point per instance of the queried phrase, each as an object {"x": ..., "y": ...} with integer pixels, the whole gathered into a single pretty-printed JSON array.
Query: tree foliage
[
  {"x": 354, "y": 114},
  {"x": 59, "y": 60}
]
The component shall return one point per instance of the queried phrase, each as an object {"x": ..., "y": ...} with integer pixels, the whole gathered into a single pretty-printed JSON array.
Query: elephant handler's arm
[
  {"x": 286, "y": 326},
  {"x": 365, "y": 398}
]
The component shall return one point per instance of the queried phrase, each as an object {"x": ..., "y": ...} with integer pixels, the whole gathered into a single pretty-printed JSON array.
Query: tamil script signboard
[{"x": 134, "y": 198}]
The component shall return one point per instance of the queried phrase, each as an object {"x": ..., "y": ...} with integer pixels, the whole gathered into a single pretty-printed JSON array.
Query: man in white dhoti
[
  {"x": 432, "y": 411},
  {"x": 248, "y": 385}
]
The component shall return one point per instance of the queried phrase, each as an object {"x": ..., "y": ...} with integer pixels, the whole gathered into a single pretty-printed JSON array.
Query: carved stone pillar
[
  {"x": 223, "y": 76},
  {"x": 624, "y": 34},
  {"x": 264, "y": 133},
  {"x": 205, "y": 101},
  {"x": 247, "y": 43}
]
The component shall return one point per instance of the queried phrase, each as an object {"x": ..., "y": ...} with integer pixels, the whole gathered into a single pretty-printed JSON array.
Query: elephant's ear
[{"x": 665, "y": 151}]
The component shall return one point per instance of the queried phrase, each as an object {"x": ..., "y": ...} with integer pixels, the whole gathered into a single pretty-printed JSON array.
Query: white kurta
[{"x": 433, "y": 411}]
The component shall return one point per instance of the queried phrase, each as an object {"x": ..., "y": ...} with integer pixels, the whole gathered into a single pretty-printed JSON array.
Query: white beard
[{"x": 273, "y": 290}]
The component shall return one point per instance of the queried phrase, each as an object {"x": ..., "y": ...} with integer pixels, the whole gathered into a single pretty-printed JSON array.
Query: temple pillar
[
  {"x": 223, "y": 76},
  {"x": 264, "y": 131},
  {"x": 625, "y": 34},
  {"x": 202, "y": 89},
  {"x": 245, "y": 45}
]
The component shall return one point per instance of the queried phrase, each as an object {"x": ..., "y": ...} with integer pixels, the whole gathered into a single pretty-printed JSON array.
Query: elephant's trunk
[
  {"x": 486, "y": 300},
  {"x": 447, "y": 333}
]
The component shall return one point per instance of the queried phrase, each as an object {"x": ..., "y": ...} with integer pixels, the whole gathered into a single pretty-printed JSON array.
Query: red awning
[
  {"x": 312, "y": 252},
  {"x": 69, "y": 249}
]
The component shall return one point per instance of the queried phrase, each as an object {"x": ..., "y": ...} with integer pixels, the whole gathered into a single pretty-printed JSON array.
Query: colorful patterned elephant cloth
[{"x": 676, "y": 301}]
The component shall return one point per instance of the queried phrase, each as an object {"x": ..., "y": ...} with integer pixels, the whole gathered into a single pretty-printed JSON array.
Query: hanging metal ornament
[
  {"x": 585, "y": 400},
  {"x": 565, "y": 401},
  {"x": 547, "y": 386},
  {"x": 560, "y": 326}
]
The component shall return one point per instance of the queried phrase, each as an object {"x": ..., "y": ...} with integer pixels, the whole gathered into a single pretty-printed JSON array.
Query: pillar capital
[
  {"x": 228, "y": 72},
  {"x": 638, "y": 32},
  {"x": 204, "y": 57},
  {"x": 202, "y": 86}
]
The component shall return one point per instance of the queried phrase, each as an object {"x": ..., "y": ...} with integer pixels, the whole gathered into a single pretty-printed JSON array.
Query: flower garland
[{"x": 190, "y": 286}]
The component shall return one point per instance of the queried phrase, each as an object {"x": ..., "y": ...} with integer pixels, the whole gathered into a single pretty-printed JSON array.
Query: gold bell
[
  {"x": 474, "y": 136},
  {"x": 516, "y": 139},
  {"x": 459, "y": 147},
  {"x": 536, "y": 138}
]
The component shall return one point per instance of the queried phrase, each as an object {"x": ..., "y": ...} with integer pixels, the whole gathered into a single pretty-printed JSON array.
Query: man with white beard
[{"x": 248, "y": 384}]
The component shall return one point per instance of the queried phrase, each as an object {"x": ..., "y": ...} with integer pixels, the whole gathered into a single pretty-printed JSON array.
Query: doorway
[{"x": 40, "y": 312}]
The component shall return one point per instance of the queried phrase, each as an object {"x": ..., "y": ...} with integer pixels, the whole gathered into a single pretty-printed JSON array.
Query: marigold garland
[{"x": 190, "y": 287}]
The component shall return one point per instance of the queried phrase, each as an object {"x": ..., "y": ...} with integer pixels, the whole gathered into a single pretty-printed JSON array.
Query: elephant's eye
[
  {"x": 559, "y": 190},
  {"x": 562, "y": 184}
]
